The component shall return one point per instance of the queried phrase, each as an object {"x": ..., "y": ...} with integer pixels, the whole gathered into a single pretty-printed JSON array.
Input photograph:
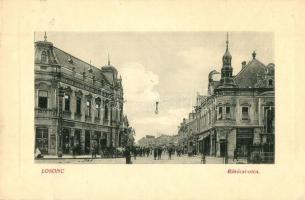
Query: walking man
[
  {"x": 155, "y": 153},
  {"x": 235, "y": 155}
]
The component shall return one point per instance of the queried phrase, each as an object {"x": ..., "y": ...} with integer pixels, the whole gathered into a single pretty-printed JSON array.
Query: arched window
[
  {"x": 67, "y": 102},
  {"x": 88, "y": 108},
  {"x": 44, "y": 57},
  {"x": 270, "y": 82},
  {"x": 97, "y": 107}
]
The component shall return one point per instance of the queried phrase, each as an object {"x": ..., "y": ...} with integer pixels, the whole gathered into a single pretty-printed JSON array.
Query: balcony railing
[
  {"x": 77, "y": 116},
  {"x": 106, "y": 121},
  {"x": 67, "y": 114},
  {"x": 88, "y": 118},
  {"x": 97, "y": 119},
  {"x": 42, "y": 112}
]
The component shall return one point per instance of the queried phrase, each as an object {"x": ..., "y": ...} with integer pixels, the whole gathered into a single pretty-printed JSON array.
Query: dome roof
[{"x": 227, "y": 54}]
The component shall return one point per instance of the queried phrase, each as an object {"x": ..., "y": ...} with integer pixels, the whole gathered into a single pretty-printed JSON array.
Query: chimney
[{"x": 243, "y": 64}]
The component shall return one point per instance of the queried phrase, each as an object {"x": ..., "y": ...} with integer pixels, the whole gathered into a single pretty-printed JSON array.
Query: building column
[
  {"x": 231, "y": 142},
  {"x": 211, "y": 143},
  {"x": 82, "y": 141},
  {"x": 71, "y": 140},
  {"x": 108, "y": 138},
  {"x": 256, "y": 136}
]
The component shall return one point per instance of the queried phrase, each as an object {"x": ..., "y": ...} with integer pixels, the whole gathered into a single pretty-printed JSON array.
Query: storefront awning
[{"x": 201, "y": 137}]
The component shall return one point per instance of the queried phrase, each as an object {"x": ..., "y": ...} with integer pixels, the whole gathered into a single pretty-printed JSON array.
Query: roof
[
  {"x": 247, "y": 77},
  {"x": 69, "y": 61}
]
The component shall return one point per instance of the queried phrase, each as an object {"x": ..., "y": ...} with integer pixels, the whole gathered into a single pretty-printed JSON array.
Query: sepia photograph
[{"x": 154, "y": 97}]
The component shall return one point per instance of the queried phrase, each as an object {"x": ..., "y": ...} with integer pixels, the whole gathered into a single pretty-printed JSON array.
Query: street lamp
[{"x": 60, "y": 97}]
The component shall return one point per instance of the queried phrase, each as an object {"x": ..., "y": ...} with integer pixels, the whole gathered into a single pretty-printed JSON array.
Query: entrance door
[
  {"x": 87, "y": 142},
  {"x": 77, "y": 140},
  {"x": 66, "y": 141},
  {"x": 244, "y": 142},
  {"x": 41, "y": 142},
  {"x": 222, "y": 148}
]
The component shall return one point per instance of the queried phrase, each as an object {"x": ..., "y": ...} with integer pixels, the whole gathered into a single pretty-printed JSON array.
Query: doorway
[
  {"x": 66, "y": 140},
  {"x": 87, "y": 142},
  {"x": 222, "y": 144}
]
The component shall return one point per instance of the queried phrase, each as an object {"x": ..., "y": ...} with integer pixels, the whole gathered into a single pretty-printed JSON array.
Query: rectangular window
[
  {"x": 220, "y": 113},
  {"x": 78, "y": 105},
  {"x": 67, "y": 103},
  {"x": 43, "y": 99},
  {"x": 245, "y": 113},
  {"x": 228, "y": 112}
]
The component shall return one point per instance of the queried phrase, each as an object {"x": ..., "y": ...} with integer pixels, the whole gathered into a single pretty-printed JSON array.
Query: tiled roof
[
  {"x": 247, "y": 77},
  {"x": 66, "y": 60}
]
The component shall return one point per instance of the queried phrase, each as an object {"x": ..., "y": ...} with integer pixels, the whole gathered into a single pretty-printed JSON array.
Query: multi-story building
[
  {"x": 76, "y": 103},
  {"x": 238, "y": 112}
]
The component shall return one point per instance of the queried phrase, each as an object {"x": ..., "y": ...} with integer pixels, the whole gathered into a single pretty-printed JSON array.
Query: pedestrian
[
  {"x": 170, "y": 153},
  {"x": 135, "y": 153},
  {"x": 155, "y": 153},
  {"x": 38, "y": 153},
  {"x": 235, "y": 155},
  {"x": 94, "y": 150},
  {"x": 127, "y": 155},
  {"x": 74, "y": 151},
  {"x": 159, "y": 153},
  {"x": 203, "y": 161}
]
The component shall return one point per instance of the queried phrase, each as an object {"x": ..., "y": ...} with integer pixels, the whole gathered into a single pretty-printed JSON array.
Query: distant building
[
  {"x": 76, "y": 103},
  {"x": 238, "y": 111},
  {"x": 147, "y": 141}
]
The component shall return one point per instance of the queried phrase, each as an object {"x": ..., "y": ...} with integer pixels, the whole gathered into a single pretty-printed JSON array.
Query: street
[{"x": 139, "y": 160}]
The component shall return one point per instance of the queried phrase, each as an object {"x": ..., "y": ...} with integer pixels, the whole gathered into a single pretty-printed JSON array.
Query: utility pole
[{"x": 60, "y": 99}]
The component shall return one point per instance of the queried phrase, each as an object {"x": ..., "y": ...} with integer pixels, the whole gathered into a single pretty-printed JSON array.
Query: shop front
[{"x": 244, "y": 141}]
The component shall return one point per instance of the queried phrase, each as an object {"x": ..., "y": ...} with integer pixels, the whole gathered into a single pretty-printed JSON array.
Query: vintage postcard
[
  {"x": 199, "y": 97},
  {"x": 152, "y": 100}
]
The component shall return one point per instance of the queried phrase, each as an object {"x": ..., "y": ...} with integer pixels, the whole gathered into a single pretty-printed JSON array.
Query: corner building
[
  {"x": 76, "y": 104},
  {"x": 238, "y": 112}
]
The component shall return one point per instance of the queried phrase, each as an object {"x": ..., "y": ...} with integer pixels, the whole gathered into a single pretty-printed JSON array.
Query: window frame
[
  {"x": 248, "y": 113},
  {"x": 43, "y": 97},
  {"x": 79, "y": 103}
]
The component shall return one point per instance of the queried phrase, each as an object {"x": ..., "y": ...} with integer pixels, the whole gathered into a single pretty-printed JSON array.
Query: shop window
[
  {"x": 43, "y": 99},
  {"x": 269, "y": 119},
  {"x": 67, "y": 102},
  {"x": 228, "y": 112},
  {"x": 41, "y": 140},
  {"x": 245, "y": 113},
  {"x": 78, "y": 105}
]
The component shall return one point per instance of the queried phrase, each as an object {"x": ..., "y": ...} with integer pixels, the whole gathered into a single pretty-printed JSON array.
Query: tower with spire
[{"x": 227, "y": 70}]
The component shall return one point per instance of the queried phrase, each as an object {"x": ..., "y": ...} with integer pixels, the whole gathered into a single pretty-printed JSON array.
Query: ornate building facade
[
  {"x": 76, "y": 103},
  {"x": 238, "y": 111}
]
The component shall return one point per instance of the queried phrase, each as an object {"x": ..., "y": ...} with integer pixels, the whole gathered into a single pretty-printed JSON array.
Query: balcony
[
  {"x": 78, "y": 116},
  {"x": 105, "y": 121},
  {"x": 45, "y": 113},
  {"x": 97, "y": 119},
  {"x": 66, "y": 114},
  {"x": 88, "y": 118}
]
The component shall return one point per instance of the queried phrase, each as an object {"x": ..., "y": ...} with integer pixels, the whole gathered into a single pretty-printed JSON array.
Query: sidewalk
[
  {"x": 220, "y": 160},
  {"x": 46, "y": 157}
]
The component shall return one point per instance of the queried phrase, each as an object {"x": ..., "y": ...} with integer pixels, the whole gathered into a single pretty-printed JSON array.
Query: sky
[{"x": 168, "y": 67}]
